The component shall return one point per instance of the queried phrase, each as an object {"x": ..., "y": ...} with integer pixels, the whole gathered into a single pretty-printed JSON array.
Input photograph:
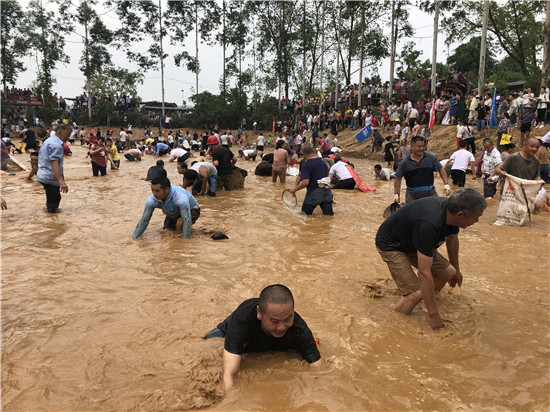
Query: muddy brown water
[{"x": 93, "y": 320}]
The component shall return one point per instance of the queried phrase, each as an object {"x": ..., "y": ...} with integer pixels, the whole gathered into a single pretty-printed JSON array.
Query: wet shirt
[
  {"x": 243, "y": 333},
  {"x": 314, "y": 169},
  {"x": 224, "y": 156},
  {"x": 161, "y": 147},
  {"x": 99, "y": 158},
  {"x": 210, "y": 168},
  {"x": 517, "y": 166},
  {"x": 417, "y": 226},
  {"x": 419, "y": 175},
  {"x": 178, "y": 204},
  {"x": 114, "y": 153},
  {"x": 51, "y": 149},
  {"x": 527, "y": 118}
]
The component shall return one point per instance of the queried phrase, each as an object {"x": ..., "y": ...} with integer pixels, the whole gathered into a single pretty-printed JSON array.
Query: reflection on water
[{"x": 93, "y": 320}]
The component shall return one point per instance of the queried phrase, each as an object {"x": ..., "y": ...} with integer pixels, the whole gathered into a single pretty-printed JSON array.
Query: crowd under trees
[{"x": 288, "y": 49}]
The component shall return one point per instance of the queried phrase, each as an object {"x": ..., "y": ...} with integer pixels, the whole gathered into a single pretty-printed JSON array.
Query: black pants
[
  {"x": 459, "y": 177},
  {"x": 53, "y": 197},
  {"x": 471, "y": 142},
  {"x": 96, "y": 169},
  {"x": 345, "y": 184},
  {"x": 489, "y": 188}
]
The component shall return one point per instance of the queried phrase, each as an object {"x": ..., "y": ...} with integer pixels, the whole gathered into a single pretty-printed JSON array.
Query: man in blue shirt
[
  {"x": 50, "y": 167},
  {"x": 314, "y": 169},
  {"x": 418, "y": 169},
  {"x": 161, "y": 148},
  {"x": 179, "y": 206}
]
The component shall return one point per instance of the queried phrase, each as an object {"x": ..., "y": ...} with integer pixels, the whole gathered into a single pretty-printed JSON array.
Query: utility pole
[
  {"x": 546, "y": 45},
  {"x": 434, "y": 47},
  {"x": 481, "y": 74},
  {"x": 161, "y": 57},
  {"x": 88, "y": 88},
  {"x": 322, "y": 59},
  {"x": 338, "y": 52},
  {"x": 361, "y": 58}
]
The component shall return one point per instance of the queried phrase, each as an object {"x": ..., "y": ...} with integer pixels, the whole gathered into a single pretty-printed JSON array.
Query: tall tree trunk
[
  {"x": 361, "y": 55},
  {"x": 481, "y": 73},
  {"x": 224, "y": 91},
  {"x": 546, "y": 45},
  {"x": 161, "y": 58},
  {"x": 196, "y": 49},
  {"x": 87, "y": 45},
  {"x": 322, "y": 59},
  {"x": 392, "y": 55},
  {"x": 304, "y": 60},
  {"x": 434, "y": 48},
  {"x": 337, "y": 53}
]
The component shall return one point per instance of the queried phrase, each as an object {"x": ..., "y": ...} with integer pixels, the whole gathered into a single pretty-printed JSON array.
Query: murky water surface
[{"x": 92, "y": 320}]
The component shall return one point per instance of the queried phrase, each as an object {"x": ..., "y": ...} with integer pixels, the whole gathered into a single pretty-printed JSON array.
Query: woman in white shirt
[{"x": 541, "y": 108}]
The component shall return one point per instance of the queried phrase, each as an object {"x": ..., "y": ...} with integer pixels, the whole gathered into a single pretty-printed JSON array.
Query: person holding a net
[{"x": 312, "y": 176}]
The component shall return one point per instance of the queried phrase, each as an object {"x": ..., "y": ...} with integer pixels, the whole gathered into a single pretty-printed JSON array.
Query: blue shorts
[{"x": 481, "y": 124}]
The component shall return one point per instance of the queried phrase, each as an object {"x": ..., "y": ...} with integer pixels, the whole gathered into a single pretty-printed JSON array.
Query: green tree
[
  {"x": 466, "y": 59},
  {"x": 140, "y": 21},
  {"x": 45, "y": 31},
  {"x": 182, "y": 15},
  {"x": 277, "y": 31},
  {"x": 515, "y": 27},
  {"x": 113, "y": 81},
  {"x": 13, "y": 46}
]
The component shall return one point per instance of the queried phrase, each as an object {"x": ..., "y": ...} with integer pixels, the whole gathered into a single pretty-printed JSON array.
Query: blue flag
[
  {"x": 364, "y": 133},
  {"x": 493, "y": 120}
]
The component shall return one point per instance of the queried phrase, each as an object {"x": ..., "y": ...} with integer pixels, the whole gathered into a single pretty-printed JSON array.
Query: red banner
[{"x": 26, "y": 102}]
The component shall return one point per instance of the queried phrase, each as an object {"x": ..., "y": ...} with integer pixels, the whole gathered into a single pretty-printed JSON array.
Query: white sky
[{"x": 179, "y": 82}]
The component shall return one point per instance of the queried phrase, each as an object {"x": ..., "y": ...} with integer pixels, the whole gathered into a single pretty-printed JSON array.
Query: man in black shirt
[
  {"x": 267, "y": 323},
  {"x": 223, "y": 159},
  {"x": 156, "y": 171},
  {"x": 411, "y": 236}
]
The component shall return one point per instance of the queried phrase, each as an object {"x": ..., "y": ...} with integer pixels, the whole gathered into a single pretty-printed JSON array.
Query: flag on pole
[
  {"x": 364, "y": 133},
  {"x": 273, "y": 130},
  {"x": 432, "y": 116},
  {"x": 493, "y": 120}
]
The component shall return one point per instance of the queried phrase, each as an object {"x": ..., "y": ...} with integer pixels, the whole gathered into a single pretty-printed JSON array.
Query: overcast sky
[{"x": 179, "y": 82}]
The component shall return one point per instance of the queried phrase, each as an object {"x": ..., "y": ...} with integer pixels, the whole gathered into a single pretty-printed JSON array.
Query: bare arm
[
  {"x": 234, "y": 160},
  {"x": 231, "y": 364},
  {"x": 299, "y": 186},
  {"x": 473, "y": 167},
  {"x": 204, "y": 179},
  {"x": 397, "y": 185},
  {"x": 443, "y": 175}
]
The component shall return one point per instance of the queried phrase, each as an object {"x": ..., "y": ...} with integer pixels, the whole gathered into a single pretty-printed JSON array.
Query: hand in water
[{"x": 435, "y": 321}]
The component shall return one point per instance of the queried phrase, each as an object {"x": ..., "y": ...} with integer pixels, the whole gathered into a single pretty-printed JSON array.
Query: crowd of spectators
[{"x": 122, "y": 102}]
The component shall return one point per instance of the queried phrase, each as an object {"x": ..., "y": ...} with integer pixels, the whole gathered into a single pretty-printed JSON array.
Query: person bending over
[
  {"x": 267, "y": 323},
  {"x": 179, "y": 206}
]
